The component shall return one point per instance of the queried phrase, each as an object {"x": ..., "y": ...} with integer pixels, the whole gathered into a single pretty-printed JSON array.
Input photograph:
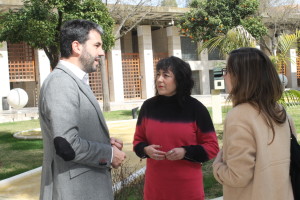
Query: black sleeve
[
  {"x": 195, "y": 153},
  {"x": 139, "y": 150}
]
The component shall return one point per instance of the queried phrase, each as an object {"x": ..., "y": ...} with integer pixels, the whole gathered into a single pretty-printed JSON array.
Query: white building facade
[{"x": 130, "y": 63}]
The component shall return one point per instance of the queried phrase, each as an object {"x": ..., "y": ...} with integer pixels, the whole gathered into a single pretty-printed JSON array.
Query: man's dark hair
[{"x": 75, "y": 30}]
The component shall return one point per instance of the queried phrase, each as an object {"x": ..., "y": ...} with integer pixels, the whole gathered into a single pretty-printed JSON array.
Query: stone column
[
  {"x": 203, "y": 56},
  {"x": 4, "y": 74},
  {"x": 205, "y": 82},
  {"x": 174, "y": 44},
  {"x": 205, "y": 78},
  {"x": 43, "y": 65},
  {"x": 291, "y": 70},
  {"x": 115, "y": 76},
  {"x": 146, "y": 60}
]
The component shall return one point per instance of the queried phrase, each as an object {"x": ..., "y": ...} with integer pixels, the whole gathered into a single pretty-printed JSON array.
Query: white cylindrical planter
[{"x": 216, "y": 108}]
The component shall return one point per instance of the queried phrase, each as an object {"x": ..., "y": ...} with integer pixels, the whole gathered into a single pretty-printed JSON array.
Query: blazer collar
[{"x": 87, "y": 91}]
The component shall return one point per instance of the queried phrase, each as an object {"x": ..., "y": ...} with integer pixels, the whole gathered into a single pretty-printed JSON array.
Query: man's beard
[{"x": 87, "y": 62}]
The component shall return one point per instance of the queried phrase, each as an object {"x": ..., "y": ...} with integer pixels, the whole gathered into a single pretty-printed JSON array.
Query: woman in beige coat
[{"x": 255, "y": 160}]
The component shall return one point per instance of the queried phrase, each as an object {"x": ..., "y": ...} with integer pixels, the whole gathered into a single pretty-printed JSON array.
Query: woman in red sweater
[{"x": 175, "y": 133}]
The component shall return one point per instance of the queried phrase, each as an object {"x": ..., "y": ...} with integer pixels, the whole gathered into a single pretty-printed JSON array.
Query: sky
[{"x": 282, "y": 2}]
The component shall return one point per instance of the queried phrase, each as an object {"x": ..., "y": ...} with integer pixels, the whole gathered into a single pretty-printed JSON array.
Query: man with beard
[{"x": 78, "y": 151}]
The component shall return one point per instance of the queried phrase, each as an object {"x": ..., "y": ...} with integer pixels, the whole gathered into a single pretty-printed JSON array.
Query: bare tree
[
  {"x": 279, "y": 16},
  {"x": 128, "y": 14}
]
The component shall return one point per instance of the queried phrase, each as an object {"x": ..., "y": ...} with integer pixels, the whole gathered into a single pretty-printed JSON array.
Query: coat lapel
[{"x": 89, "y": 94}]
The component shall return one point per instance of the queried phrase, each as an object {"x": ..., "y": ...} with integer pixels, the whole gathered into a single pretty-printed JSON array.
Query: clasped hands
[
  {"x": 118, "y": 155},
  {"x": 174, "y": 154}
]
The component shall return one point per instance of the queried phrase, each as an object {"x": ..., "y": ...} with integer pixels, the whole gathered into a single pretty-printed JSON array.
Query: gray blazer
[{"x": 77, "y": 150}]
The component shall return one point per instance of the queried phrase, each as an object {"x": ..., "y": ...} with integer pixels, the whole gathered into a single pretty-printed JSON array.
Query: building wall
[
  {"x": 126, "y": 43},
  {"x": 4, "y": 74},
  {"x": 160, "y": 41}
]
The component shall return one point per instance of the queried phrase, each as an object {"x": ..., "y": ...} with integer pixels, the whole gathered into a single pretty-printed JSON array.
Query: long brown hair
[{"x": 255, "y": 80}]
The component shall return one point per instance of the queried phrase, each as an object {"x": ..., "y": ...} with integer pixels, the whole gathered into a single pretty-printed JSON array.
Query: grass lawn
[{"x": 17, "y": 156}]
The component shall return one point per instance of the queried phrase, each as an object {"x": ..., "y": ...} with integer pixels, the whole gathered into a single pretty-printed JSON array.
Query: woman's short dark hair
[
  {"x": 75, "y": 30},
  {"x": 182, "y": 72},
  {"x": 255, "y": 80}
]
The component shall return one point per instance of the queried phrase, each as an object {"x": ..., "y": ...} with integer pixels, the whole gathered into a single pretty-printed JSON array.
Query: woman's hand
[
  {"x": 176, "y": 154},
  {"x": 153, "y": 152}
]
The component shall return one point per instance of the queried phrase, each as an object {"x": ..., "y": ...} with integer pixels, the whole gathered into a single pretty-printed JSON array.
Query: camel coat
[
  {"x": 77, "y": 150},
  {"x": 253, "y": 168}
]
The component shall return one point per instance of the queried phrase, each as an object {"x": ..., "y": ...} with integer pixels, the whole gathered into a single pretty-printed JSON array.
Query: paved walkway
[{"x": 18, "y": 115}]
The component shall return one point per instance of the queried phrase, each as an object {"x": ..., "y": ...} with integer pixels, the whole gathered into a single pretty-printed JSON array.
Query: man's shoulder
[
  {"x": 61, "y": 71},
  {"x": 58, "y": 78}
]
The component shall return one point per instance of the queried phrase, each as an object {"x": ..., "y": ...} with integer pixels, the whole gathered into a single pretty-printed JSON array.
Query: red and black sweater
[
  {"x": 168, "y": 110},
  {"x": 163, "y": 121}
]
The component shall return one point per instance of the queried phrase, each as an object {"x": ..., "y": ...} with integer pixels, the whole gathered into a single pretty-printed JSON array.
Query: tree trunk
[
  {"x": 53, "y": 55},
  {"x": 105, "y": 88}
]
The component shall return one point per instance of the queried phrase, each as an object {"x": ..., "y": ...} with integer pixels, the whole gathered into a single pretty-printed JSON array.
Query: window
[{"x": 188, "y": 49}]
